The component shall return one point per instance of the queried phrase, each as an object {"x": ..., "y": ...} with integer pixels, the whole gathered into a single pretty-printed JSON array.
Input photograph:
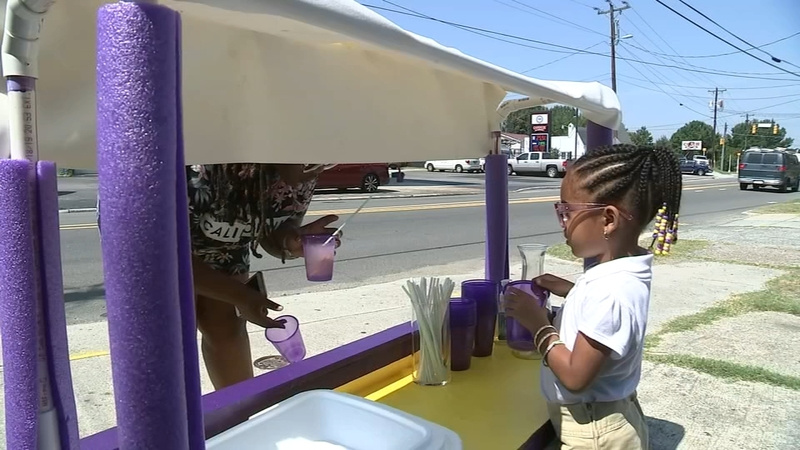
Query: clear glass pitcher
[{"x": 532, "y": 260}]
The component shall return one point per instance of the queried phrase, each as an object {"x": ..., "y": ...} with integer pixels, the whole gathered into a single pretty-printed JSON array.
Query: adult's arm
[{"x": 215, "y": 285}]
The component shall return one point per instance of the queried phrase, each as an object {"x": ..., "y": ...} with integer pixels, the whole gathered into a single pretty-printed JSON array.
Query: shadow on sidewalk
[{"x": 664, "y": 435}]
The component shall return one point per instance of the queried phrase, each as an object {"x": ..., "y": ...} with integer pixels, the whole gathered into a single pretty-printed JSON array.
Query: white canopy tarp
[{"x": 290, "y": 81}]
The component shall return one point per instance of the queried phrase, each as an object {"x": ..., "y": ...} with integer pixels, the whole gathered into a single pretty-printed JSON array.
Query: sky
[{"x": 661, "y": 98}]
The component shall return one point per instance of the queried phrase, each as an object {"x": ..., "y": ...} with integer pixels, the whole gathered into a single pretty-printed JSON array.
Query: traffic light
[
  {"x": 775, "y": 129},
  {"x": 721, "y": 141},
  {"x": 753, "y": 129}
]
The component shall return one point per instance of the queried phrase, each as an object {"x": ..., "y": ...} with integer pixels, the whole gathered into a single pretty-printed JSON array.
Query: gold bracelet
[
  {"x": 536, "y": 336},
  {"x": 550, "y": 347},
  {"x": 538, "y": 344}
]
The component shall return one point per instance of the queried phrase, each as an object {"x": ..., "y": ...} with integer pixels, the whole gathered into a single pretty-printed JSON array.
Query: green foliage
[
  {"x": 664, "y": 141},
  {"x": 560, "y": 118},
  {"x": 695, "y": 130},
  {"x": 642, "y": 136},
  {"x": 741, "y": 138}
]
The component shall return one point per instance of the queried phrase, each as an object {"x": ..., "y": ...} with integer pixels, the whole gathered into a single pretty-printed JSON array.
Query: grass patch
[
  {"x": 728, "y": 370},
  {"x": 781, "y": 294},
  {"x": 562, "y": 252},
  {"x": 792, "y": 207}
]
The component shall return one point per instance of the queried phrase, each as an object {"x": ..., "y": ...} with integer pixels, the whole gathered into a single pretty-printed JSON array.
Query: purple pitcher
[{"x": 519, "y": 338}]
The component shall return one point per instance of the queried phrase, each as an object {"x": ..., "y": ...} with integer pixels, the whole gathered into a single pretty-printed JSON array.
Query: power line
[
  {"x": 528, "y": 8},
  {"x": 570, "y": 49},
  {"x": 725, "y": 41},
  {"x": 774, "y": 59},
  {"x": 685, "y": 61},
  {"x": 663, "y": 91},
  {"x": 738, "y": 99},
  {"x": 716, "y": 55},
  {"x": 562, "y": 58},
  {"x": 729, "y": 88}
]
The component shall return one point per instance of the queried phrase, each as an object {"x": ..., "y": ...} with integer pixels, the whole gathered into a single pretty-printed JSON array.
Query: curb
[
  {"x": 77, "y": 210},
  {"x": 390, "y": 196}
]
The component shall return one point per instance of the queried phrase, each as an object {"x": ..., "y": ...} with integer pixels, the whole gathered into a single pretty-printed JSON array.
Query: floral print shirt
[{"x": 224, "y": 246}]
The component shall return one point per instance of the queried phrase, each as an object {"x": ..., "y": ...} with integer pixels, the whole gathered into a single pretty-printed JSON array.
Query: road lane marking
[
  {"x": 408, "y": 208},
  {"x": 88, "y": 355}
]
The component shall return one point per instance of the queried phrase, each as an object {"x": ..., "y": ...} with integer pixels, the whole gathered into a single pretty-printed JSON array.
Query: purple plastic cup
[
  {"x": 288, "y": 340},
  {"x": 319, "y": 256},
  {"x": 520, "y": 338},
  {"x": 463, "y": 316},
  {"x": 484, "y": 293}
]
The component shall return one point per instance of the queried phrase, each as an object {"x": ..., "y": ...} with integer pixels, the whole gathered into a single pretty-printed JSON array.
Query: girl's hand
[
  {"x": 525, "y": 309},
  {"x": 556, "y": 285},
  {"x": 293, "y": 243}
]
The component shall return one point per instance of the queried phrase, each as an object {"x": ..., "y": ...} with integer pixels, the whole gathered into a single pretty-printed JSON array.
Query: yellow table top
[{"x": 496, "y": 404}]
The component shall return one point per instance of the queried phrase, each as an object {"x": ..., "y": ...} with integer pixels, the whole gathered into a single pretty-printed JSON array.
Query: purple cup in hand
[
  {"x": 287, "y": 340},
  {"x": 318, "y": 251},
  {"x": 518, "y": 337},
  {"x": 484, "y": 293},
  {"x": 463, "y": 315}
]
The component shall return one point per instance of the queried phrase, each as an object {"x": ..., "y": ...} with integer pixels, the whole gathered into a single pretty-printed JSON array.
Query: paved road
[{"x": 390, "y": 236}]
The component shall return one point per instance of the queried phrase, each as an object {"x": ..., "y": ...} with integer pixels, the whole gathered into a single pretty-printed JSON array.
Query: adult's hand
[
  {"x": 255, "y": 308},
  {"x": 293, "y": 242},
  {"x": 556, "y": 285}
]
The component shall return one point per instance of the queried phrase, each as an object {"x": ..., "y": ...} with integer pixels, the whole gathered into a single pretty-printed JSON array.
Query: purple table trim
[{"x": 228, "y": 407}]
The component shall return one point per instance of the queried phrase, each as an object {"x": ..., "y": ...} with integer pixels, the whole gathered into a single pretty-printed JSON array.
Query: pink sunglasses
[{"x": 563, "y": 210}]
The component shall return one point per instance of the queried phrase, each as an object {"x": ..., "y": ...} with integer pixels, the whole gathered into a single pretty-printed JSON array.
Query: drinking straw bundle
[{"x": 430, "y": 300}]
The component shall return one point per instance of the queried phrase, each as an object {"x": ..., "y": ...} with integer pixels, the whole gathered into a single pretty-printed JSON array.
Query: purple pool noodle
[
  {"x": 137, "y": 138},
  {"x": 53, "y": 306},
  {"x": 191, "y": 359},
  {"x": 18, "y": 305},
  {"x": 496, "y": 216}
]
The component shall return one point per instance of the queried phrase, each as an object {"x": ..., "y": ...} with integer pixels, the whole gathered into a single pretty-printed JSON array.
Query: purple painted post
[
  {"x": 496, "y": 186},
  {"x": 596, "y": 136}
]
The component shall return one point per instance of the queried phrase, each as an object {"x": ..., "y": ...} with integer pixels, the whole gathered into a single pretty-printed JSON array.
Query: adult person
[{"x": 234, "y": 209}]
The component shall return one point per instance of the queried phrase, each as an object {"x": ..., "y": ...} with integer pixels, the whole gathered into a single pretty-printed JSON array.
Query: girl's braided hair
[{"x": 643, "y": 180}]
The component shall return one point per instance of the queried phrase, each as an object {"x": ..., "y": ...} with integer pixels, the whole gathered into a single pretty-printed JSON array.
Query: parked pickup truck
[
  {"x": 537, "y": 162},
  {"x": 698, "y": 165}
]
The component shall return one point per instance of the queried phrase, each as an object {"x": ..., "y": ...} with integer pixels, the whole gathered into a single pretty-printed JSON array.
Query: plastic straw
[{"x": 338, "y": 230}]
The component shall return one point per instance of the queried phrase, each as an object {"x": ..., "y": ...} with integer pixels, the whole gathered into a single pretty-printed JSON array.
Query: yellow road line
[
  {"x": 408, "y": 208},
  {"x": 88, "y": 355}
]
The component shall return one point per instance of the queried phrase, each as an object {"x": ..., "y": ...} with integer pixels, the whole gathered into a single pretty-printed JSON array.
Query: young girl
[{"x": 592, "y": 353}]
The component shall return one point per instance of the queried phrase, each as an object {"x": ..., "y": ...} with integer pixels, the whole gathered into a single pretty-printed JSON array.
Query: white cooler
[{"x": 328, "y": 420}]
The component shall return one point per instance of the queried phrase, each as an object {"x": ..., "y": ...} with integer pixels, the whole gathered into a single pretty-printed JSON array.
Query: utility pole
[
  {"x": 610, "y": 11},
  {"x": 747, "y": 129},
  {"x": 724, "y": 144},
  {"x": 716, "y": 92}
]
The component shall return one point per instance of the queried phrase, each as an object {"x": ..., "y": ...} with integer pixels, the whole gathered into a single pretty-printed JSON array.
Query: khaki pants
[{"x": 617, "y": 425}]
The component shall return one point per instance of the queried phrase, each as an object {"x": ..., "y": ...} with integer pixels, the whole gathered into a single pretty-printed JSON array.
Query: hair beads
[{"x": 663, "y": 236}]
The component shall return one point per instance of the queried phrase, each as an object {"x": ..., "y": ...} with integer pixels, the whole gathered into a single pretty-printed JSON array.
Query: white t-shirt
[{"x": 609, "y": 304}]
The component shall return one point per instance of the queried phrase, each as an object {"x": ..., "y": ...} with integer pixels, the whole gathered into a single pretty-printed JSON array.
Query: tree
[
  {"x": 741, "y": 137},
  {"x": 642, "y": 136},
  {"x": 695, "y": 130},
  {"x": 560, "y": 117},
  {"x": 663, "y": 141}
]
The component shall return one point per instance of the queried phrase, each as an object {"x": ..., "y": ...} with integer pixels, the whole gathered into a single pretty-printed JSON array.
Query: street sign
[
  {"x": 765, "y": 125},
  {"x": 540, "y": 132},
  {"x": 691, "y": 145},
  {"x": 540, "y": 142},
  {"x": 540, "y": 123}
]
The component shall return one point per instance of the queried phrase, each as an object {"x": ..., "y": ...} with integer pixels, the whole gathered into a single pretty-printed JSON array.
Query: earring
[{"x": 605, "y": 234}]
